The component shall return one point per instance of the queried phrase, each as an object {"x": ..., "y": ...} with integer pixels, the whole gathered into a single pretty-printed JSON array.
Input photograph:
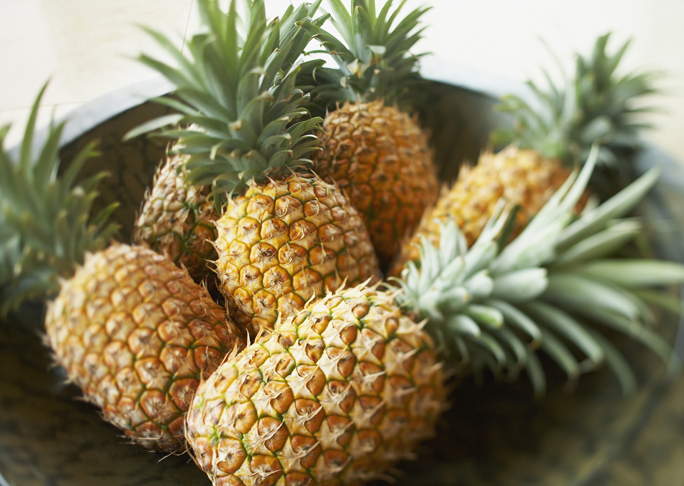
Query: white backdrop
[{"x": 85, "y": 45}]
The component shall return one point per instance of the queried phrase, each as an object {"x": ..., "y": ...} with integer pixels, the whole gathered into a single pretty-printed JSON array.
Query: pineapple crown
[
  {"x": 494, "y": 306},
  {"x": 45, "y": 224},
  {"x": 372, "y": 54},
  {"x": 596, "y": 105},
  {"x": 241, "y": 115}
]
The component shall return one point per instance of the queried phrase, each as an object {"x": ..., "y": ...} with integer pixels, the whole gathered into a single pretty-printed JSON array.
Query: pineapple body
[
  {"x": 379, "y": 155},
  {"x": 523, "y": 177},
  {"x": 285, "y": 242},
  {"x": 335, "y": 395},
  {"x": 177, "y": 220},
  {"x": 137, "y": 334}
]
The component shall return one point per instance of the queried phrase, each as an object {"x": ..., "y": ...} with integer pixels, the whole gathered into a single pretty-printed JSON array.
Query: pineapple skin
[
  {"x": 177, "y": 219},
  {"x": 334, "y": 396},
  {"x": 137, "y": 334},
  {"x": 522, "y": 176},
  {"x": 285, "y": 242},
  {"x": 380, "y": 156}
]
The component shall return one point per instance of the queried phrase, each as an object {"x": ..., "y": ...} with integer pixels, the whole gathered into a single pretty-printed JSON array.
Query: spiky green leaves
[
  {"x": 373, "y": 53},
  {"x": 596, "y": 104},
  {"x": 240, "y": 110},
  {"x": 555, "y": 288},
  {"x": 606, "y": 99},
  {"x": 45, "y": 224}
]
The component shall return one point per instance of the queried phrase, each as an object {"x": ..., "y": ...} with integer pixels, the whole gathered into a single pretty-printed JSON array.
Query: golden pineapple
[
  {"x": 554, "y": 134},
  {"x": 133, "y": 330},
  {"x": 370, "y": 147},
  {"x": 137, "y": 334},
  {"x": 283, "y": 237},
  {"x": 338, "y": 393},
  {"x": 177, "y": 219},
  {"x": 335, "y": 395},
  {"x": 379, "y": 155},
  {"x": 286, "y": 241},
  {"x": 521, "y": 176}
]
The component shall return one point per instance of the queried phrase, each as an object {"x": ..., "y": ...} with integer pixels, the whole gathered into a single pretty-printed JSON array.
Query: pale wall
[{"x": 85, "y": 45}]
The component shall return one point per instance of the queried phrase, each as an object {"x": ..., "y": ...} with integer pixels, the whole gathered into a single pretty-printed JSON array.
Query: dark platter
[{"x": 493, "y": 434}]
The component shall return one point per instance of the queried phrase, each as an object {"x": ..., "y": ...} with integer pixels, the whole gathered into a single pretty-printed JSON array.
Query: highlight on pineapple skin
[
  {"x": 335, "y": 395},
  {"x": 523, "y": 177},
  {"x": 285, "y": 242},
  {"x": 177, "y": 219},
  {"x": 137, "y": 334},
  {"x": 380, "y": 156}
]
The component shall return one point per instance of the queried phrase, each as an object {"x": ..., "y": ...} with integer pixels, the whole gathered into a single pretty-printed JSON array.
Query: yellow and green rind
[
  {"x": 380, "y": 157},
  {"x": 138, "y": 335},
  {"x": 523, "y": 177},
  {"x": 335, "y": 396},
  {"x": 177, "y": 219},
  {"x": 285, "y": 242}
]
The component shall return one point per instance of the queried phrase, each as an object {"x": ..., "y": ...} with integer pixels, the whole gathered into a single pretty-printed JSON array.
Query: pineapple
[
  {"x": 519, "y": 175},
  {"x": 336, "y": 395},
  {"x": 551, "y": 288},
  {"x": 542, "y": 149},
  {"x": 341, "y": 391},
  {"x": 284, "y": 236},
  {"x": 137, "y": 334},
  {"x": 370, "y": 147},
  {"x": 133, "y": 330},
  {"x": 285, "y": 242},
  {"x": 178, "y": 220}
]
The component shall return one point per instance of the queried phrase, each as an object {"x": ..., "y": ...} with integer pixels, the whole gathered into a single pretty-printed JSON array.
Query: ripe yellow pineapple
[
  {"x": 519, "y": 175},
  {"x": 284, "y": 236},
  {"x": 340, "y": 392},
  {"x": 133, "y": 330},
  {"x": 555, "y": 134},
  {"x": 335, "y": 395},
  {"x": 177, "y": 220},
  {"x": 369, "y": 146},
  {"x": 286, "y": 241},
  {"x": 137, "y": 334}
]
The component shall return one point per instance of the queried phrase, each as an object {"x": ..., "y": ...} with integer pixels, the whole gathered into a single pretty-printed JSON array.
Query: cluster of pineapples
[{"x": 314, "y": 371}]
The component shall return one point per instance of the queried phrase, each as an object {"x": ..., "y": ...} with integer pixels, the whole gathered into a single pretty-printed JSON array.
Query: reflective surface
[{"x": 494, "y": 433}]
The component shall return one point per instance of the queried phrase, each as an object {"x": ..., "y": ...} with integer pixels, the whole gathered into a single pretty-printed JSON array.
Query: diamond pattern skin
[
  {"x": 137, "y": 334},
  {"x": 523, "y": 177},
  {"x": 178, "y": 220},
  {"x": 335, "y": 395},
  {"x": 285, "y": 242},
  {"x": 380, "y": 156}
]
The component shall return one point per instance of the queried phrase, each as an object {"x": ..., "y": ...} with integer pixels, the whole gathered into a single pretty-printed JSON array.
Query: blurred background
[{"x": 86, "y": 46}]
